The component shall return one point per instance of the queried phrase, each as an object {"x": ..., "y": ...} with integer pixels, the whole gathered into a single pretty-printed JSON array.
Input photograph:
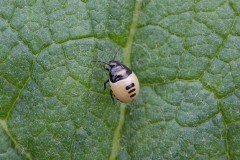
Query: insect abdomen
[{"x": 127, "y": 89}]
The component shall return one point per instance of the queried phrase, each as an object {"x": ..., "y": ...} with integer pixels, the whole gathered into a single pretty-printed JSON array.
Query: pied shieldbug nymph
[{"x": 124, "y": 84}]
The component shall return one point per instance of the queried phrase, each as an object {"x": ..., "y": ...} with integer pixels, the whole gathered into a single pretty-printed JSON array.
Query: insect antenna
[
  {"x": 117, "y": 50},
  {"x": 100, "y": 62}
]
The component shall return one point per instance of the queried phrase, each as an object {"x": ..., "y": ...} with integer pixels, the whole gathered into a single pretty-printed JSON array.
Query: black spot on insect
[
  {"x": 132, "y": 90},
  {"x": 133, "y": 95},
  {"x": 130, "y": 86},
  {"x": 119, "y": 77}
]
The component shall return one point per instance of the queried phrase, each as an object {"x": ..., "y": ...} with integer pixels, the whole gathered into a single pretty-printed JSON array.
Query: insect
[{"x": 124, "y": 85}]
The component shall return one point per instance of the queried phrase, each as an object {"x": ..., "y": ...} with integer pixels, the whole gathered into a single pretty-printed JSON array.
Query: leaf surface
[{"x": 186, "y": 55}]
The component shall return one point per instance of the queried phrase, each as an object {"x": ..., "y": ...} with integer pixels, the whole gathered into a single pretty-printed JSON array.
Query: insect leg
[
  {"x": 112, "y": 96},
  {"x": 106, "y": 68},
  {"x": 105, "y": 83}
]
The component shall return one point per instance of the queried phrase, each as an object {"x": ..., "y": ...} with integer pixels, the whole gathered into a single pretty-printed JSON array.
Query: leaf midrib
[{"x": 127, "y": 61}]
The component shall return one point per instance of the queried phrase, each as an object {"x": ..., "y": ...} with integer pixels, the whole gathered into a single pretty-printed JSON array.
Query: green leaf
[{"x": 185, "y": 53}]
